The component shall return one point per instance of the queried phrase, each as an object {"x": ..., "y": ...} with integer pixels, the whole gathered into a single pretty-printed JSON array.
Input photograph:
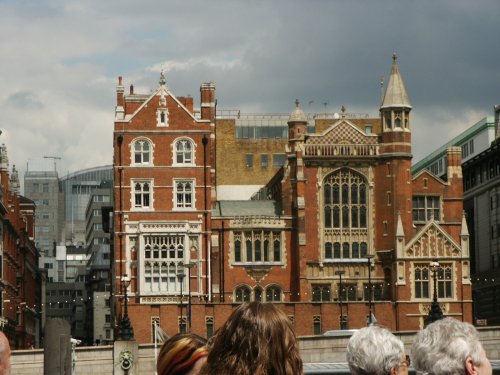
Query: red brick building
[
  {"x": 20, "y": 281},
  {"x": 343, "y": 227}
]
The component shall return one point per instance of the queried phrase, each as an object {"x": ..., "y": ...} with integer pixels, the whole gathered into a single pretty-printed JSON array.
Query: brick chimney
[
  {"x": 207, "y": 92},
  {"x": 120, "y": 100}
]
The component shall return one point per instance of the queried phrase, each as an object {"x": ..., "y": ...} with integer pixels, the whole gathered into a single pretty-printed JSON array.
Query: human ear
[
  {"x": 393, "y": 371},
  {"x": 470, "y": 367}
]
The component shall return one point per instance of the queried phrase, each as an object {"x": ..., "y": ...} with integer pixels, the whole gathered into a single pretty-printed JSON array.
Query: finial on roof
[
  {"x": 297, "y": 113},
  {"x": 394, "y": 57},
  {"x": 162, "y": 78}
]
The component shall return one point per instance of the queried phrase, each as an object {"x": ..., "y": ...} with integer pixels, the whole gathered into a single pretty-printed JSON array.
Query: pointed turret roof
[{"x": 395, "y": 94}]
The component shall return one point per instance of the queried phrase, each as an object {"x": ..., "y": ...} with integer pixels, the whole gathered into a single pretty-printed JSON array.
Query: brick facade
[
  {"x": 344, "y": 193},
  {"x": 21, "y": 281}
]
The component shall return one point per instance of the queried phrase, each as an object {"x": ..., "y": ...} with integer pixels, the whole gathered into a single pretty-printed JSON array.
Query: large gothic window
[
  {"x": 345, "y": 215},
  {"x": 163, "y": 257},
  {"x": 345, "y": 200}
]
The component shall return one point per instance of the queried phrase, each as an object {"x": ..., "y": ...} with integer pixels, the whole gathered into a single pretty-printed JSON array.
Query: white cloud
[{"x": 62, "y": 59}]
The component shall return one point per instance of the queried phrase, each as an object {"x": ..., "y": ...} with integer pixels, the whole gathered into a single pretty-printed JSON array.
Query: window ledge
[
  {"x": 245, "y": 264},
  {"x": 342, "y": 260}
]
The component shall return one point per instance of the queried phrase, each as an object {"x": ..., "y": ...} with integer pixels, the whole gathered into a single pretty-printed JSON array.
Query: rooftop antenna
[
  {"x": 325, "y": 104},
  {"x": 54, "y": 158}
]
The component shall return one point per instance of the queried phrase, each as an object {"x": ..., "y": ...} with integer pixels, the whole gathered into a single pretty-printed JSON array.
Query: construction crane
[{"x": 54, "y": 158}]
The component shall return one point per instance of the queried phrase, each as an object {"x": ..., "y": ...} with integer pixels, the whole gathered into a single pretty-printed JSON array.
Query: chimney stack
[{"x": 207, "y": 91}]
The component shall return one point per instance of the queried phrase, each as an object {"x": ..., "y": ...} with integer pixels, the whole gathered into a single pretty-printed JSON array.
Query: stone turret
[
  {"x": 297, "y": 126},
  {"x": 395, "y": 108}
]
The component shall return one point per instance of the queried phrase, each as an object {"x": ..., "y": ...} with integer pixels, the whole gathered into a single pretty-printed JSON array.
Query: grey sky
[{"x": 60, "y": 62}]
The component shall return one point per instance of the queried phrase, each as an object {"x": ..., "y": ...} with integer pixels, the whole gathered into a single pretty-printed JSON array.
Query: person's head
[
  {"x": 449, "y": 346},
  {"x": 257, "y": 339},
  {"x": 4, "y": 355},
  {"x": 182, "y": 354},
  {"x": 375, "y": 350}
]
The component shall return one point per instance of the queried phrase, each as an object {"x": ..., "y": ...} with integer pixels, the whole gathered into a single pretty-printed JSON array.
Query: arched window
[
  {"x": 336, "y": 250},
  {"x": 142, "y": 151},
  {"x": 273, "y": 294},
  {"x": 242, "y": 294},
  {"x": 355, "y": 250},
  {"x": 258, "y": 292},
  {"x": 320, "y": 293},
  {"x": 184, "y": 152},
  {"x": 184, "y": 194},
  {"x": 328, "y": 250},
  {"x": 345, "y": 208},
  {"x": 142, "y": 194},
  {"x": 237, "y": 250},
  {"x": 346, "y": 253}
]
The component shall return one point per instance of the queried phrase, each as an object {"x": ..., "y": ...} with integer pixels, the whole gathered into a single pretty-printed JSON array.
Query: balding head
[{"x": 4, "y": 355}]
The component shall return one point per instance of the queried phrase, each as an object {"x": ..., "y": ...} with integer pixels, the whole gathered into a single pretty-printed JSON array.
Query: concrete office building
[{"x": 61, "y": 234}]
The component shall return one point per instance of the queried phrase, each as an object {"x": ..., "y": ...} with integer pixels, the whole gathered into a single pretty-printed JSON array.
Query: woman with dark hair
[
  {"x": 182, "y": 354},
  {"x": 257, "y": 339}
]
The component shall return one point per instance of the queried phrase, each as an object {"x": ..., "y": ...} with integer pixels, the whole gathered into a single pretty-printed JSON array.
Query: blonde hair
[
  {"x": 179, "y": 354},
  {"x": 257, "y": 339}
]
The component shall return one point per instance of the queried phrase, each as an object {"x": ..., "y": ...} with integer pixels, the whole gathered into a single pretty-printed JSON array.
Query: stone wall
[{"x": 98, "y": 360}]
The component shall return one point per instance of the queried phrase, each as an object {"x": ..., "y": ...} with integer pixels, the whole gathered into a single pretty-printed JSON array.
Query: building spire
[{"x": 395, "y": 94}]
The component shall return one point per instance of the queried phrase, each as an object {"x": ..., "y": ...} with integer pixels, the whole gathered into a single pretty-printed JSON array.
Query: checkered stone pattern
[{"x": 344, "y": 133}]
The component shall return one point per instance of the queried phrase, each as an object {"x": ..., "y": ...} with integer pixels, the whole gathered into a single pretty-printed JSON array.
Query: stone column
[{"x": 57, "y": 347}]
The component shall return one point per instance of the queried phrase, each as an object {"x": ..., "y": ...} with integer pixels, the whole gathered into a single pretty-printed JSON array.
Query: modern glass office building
[{"x": 77, "y": 188}]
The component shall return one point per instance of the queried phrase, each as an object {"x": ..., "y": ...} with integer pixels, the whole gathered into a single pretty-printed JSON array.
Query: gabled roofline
[
  {"x": 160, "y": 90},
  {"x": 438, "y": 228},
  {"x": 430, "y": 174}
]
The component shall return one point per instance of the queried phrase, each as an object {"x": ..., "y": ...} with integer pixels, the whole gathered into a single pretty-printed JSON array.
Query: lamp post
[
  {"x": 369, "y": 257},
  {"x": 435, "y": 313},
  {"x": 189, "y": 265},
  {"x": 340, "y": 273},
  {"x": 180, "y": 277},
  {"x": 126, "y": 332}
]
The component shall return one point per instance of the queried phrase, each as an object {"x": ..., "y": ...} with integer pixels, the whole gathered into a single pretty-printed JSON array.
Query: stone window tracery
[
  {"x": 345, "y": 215},
  {"x": 257, "y": 246},
  {"x": 141, "y": 150},
  {"x": 184, "y": 194},
  {"x": 163, "y": 257},
  {"x": 272, "y": 293},
  {"x": 184, "y": 152},
  {"x": 142, "y": 193}
]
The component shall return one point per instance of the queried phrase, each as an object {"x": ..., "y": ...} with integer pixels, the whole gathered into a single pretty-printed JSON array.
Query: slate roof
[{"x": 246, "y": 208}]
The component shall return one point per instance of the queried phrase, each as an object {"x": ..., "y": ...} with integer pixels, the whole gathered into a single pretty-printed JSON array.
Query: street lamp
[
  {"x": 342, "y": 325},
  {"x": 189, "y": 265},
  {"x": 126, "y": 331},
  {"x": 435, "y": 313},
  {"x": 180, "y": 277},
  {"x": 369, "y": 257}
]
